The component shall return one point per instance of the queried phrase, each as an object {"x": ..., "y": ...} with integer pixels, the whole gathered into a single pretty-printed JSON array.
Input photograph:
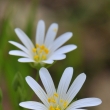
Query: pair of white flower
[
  {"x": 46, "y": 48},
  {"x": 60, "y": 99}
]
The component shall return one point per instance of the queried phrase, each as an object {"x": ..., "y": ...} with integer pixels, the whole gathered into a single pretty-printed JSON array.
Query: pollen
[
  {"x": 42, "y": 47},
  {"x": 55, "y": 94},
  {"x": 37, "y": 45},
  {"x": 57, "y": 108},
  {"x": 49, "y": 100},
  {"x": 65, "y": 104},
  {"x": 46, "y": 50},
  {"x": 56, "y": 103},
  {"x": 51, "y": 108},
  {"x": 34, "y": 49},
  {"x": 53, "y": 101},
  {"x": 44, "y": 57},
  {"x": 40, "y": 53},
  {"x": 36, "y": 57},
  {"x": 55, "y": 29}
]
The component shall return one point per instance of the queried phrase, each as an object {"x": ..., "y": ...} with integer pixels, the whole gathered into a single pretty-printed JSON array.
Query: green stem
[
  {"x": 1, "y": 107},
  {"x": 37, "y": 76}
]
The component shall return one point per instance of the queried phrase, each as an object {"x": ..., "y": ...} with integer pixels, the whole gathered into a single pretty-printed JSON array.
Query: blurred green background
[{"x": 90, "y": 23}]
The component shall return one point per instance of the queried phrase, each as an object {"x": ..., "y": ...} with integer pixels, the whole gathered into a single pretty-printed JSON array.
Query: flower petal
[
  {"x": 48, "y": 61},
  {"x": 33, "y": 105},
  {"x": 38, "y": 90},
  {"x": 40, "y": 32},
  {"x": 57, "y": 57},
  {"x": 86, "y": 102},
  {"x": 65, "y": 49},
  {"x": 25, "y": 60},
  {"x": 18, "y": 53},
  {"x": 24, "y": 39},
  {"x": 20, "y": 47},
  {"x": 51, "y": 34},
  {"x": 47, "y": 81},
  {"x": 64, "y": 82},
  {"x": 61, "y": 40},
  {"x": 75, "y": 87},
  {"x": 79, "y": 109}
]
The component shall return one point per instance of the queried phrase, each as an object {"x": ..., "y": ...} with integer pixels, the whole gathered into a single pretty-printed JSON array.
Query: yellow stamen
[
  {"x": 51, "y": 108},
  {"x": 61, "y": 100},
  {"x": 49, "y": 100},
  {"x": 55, "y": 104},
  {"x": 36, "y": 57},
  {"x": 37, "y": 45},
  {"x": 65, "y": 104},
  {"x": 57, "y": 108},
  {"x": 40, "y": 52},
  {"x": 53, "y": 100},
  {"x": 34, "y": 50},
  {"x": 42, "y": 47},
  {"x": 55, "y": 94},
  {"x": 46, "y": 50},
  {"x": 44, "y": 57}
]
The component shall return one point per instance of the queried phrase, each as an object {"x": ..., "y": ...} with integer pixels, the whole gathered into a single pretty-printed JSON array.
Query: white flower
[
  {"x": 60, "y": 99},
  {"x": 46, "y": 48}
]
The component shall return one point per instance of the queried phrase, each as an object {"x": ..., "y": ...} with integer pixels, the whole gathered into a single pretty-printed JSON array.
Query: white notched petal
[
  {"x": 38, "y": 90},
  {"x": 47, "y": 81},
  {"x": 20, "y": 47},
  {"x": 33, "y": 105},
  {"x": 61, "y": 40},
  {"x": 18, "y": 53},
  {"x": 24, "y": 39},
  {"x": 64, "y": 82},
  {"x": 40, "y": 32},
  {"x": 75, "y": 87},
  {"x": 79, "y": 109},
  {"x": 51, "y": 34},
  {"x": 86, "y": 102},
  {"x": 65, "y": 49},
  {"x": 25, "y": 60},
  {"x": 57, "y": 57},
  {"x": 48, "y": 61}
]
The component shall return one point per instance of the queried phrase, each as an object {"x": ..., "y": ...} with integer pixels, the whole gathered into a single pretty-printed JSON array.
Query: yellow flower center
[
  {"x": 56, "y": 103},
  {"x": 40, "y": 53}
]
